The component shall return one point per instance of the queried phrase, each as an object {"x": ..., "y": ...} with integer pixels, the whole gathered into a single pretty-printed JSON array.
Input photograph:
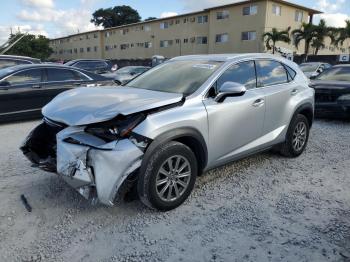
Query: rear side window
[
  {"x": 271, "y": 73},
  {"x": 242, "y": 73},
  {"x": 291, "y": 73},
  {"x": 60, "y": 75},
  {"x": 8, "y": 62},
  {"x": 32, "y": 76}
]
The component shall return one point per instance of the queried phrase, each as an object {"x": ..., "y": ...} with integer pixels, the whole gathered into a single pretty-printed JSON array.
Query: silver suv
[{"x": 155, "y": 135}]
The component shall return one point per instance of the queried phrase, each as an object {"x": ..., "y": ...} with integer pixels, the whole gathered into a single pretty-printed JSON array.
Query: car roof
[
  {"x": 20, "y": 58},
  {"x": 226, "y": 57},
  {"x": 29, "y": 66},
  {"x": 87, "y": 60}
]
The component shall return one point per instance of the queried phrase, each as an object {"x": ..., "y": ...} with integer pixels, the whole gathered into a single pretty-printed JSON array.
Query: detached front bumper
[{"x": 96, "y": 169}]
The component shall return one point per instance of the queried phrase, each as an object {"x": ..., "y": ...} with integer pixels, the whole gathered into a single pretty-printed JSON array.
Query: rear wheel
[
  {"x": 169, "y": 177},
  {"x": 297, "y": 137}
]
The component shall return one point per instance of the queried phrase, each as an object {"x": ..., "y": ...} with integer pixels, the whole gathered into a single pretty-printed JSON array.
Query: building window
[
  {"x": 177, "y": 21},
  {"x": 250, "y": 10},
  {"x": 166, "y": 43},
  {"x": 299, "y": 16},
  {"x": 177, "y": 41},
  {"x": 276, "y": 9},
  {"x": 164, "y": 25},
  {"x": 221, "y": 38},
  {"x": 107, "y": 47},
  {"x": 185, "y": 40},
  {"x": 124, "y": 46},
  {"x": 202, "y": 40},
  {"x": 147, "y": 28},
  {"x": 87, "y": 36},
  {"x": 185, "y": 20},
  {"x": 202, "y": 19},
  {"x": 222, "y": 15},
  {"x": 88, "y": 49},
  {"x": 95, "y": 48},
  {"x": 81, "y": 50},
  {"x": 249, "y": 36},
  {"x": 95, "y": 35},
  {"x": 148, "y": 44},
  {"x": 75, "y": 50},
  {"x": 108, "y": 34},
  {"x": 193, "y": 19}
]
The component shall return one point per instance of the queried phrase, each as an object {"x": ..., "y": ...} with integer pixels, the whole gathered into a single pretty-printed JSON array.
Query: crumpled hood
[{"x": 83, "y": 106}]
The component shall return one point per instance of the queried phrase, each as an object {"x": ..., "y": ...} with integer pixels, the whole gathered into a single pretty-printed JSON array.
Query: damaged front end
[{"x": 94, "y": 159}]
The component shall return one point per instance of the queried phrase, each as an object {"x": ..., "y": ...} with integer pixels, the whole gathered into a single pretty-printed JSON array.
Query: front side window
[
  {"x": 271, "y": 73},
  {"x": 32, "y": 76},
  {"x": 61, "y": 75},
  {"x": 242, "y": 73},
  {"x": 335, "y": 74},
  {"x": 182, "y": 77}
]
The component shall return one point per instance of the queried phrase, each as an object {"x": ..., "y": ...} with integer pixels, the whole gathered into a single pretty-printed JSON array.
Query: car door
[
  {"x": 237, "y": 121},
  {"x": 59, "y": 80},
  {"x": 280, "y": 89},
  {"x": 21, "y": 94}
]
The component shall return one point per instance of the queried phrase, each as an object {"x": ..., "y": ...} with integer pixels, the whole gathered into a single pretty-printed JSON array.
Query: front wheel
[
  {"x": 169, "y": 177},
  {"x": 297, "y": 137}
]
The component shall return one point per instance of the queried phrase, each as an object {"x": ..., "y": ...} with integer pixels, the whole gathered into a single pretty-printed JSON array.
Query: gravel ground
[{"x": 264, "y": 208}]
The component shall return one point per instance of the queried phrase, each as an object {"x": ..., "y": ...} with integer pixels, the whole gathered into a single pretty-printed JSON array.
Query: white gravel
[{"x": 264, "y": 208}]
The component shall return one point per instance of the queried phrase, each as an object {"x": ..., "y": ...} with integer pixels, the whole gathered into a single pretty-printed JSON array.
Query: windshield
[
  {"x": 308, "y": 68},
  {"x": 183, "y": 77},
  {"x": 335, "y": 74}
]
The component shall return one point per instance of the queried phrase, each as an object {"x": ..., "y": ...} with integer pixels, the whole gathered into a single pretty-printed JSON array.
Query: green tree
[
  {"x": 321, "y": 32},
  {"x": 306, "y": 33},
  {"x": 31, "y": 45},
  {"x": 271, "y": 38},
  {"x": 343, "y": 34},
  {"x": 116, "y": 16},
  {"x": 151, "y": 18}
]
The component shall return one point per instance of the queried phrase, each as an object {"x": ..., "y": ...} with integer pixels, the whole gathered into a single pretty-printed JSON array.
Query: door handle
[
  {"x": 258, "y": 103},
  {"x": 36, "y": 86},
  {"x": 294, "y": 92}
]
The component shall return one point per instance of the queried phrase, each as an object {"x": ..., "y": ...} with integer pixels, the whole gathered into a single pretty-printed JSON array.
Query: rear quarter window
[{"x": 291, "y": 73}]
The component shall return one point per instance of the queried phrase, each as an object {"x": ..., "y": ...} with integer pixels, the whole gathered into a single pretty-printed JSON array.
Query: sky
[{"x": 56, "y": 18}]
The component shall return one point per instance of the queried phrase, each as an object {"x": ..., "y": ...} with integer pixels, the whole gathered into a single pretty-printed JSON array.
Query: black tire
[
  {"x": 146, "y": 185},
  {"x": 287, "y": 149}
]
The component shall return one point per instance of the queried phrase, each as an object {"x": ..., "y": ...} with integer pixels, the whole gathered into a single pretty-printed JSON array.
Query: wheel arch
[
  {"x": 306, "y": 110},
  {"x": 187, "y": 136}
]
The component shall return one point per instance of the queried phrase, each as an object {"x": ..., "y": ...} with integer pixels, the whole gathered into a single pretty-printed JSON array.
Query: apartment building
[{"x": 231, "y": 28}]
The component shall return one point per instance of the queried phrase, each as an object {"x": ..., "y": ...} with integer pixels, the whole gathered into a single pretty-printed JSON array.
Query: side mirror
[{"x": 230, "y": 89}]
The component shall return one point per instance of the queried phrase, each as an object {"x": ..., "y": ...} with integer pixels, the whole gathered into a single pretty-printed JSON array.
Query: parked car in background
[
  {"x": 313, "y": 69},
  {"x": 125, "y": 74},
  {"x": 97, "y": 66},
  {"x": 11, "y": 60},
  {"x": 25, "y": 89},
  {"x": 165, "y": 127},
  {"x": 332, "y": 89}
]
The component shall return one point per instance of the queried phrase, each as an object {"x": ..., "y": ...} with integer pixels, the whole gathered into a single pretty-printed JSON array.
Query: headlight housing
[
  {"x": 121, "y": 127},
  {"x": 344, "y": 98}
]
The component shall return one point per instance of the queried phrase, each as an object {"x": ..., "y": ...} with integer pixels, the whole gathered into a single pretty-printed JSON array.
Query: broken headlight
[{"x": 120, "y": 127}]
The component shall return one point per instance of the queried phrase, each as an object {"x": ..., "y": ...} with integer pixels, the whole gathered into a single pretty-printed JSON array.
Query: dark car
[
  {"x": 126, "y": 74},
  {"x": 98, "y": 66},
  {"x": 332, "y": 92},
  {"x": 25, "y": 89},
  {"x": 10, "y": 60},
  {"x": 313, "y": 69}
]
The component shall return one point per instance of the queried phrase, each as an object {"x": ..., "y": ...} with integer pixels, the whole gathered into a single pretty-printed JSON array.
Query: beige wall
[{"x": 135, "y": 36}]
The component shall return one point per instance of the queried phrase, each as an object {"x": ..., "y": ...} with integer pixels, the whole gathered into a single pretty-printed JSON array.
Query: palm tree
[
  {"x": 306, "y": 33},
  {"x": 321, "y": 32},
  {"x": 343, "y": 34},
  {"x": 276, "y": 36}
]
